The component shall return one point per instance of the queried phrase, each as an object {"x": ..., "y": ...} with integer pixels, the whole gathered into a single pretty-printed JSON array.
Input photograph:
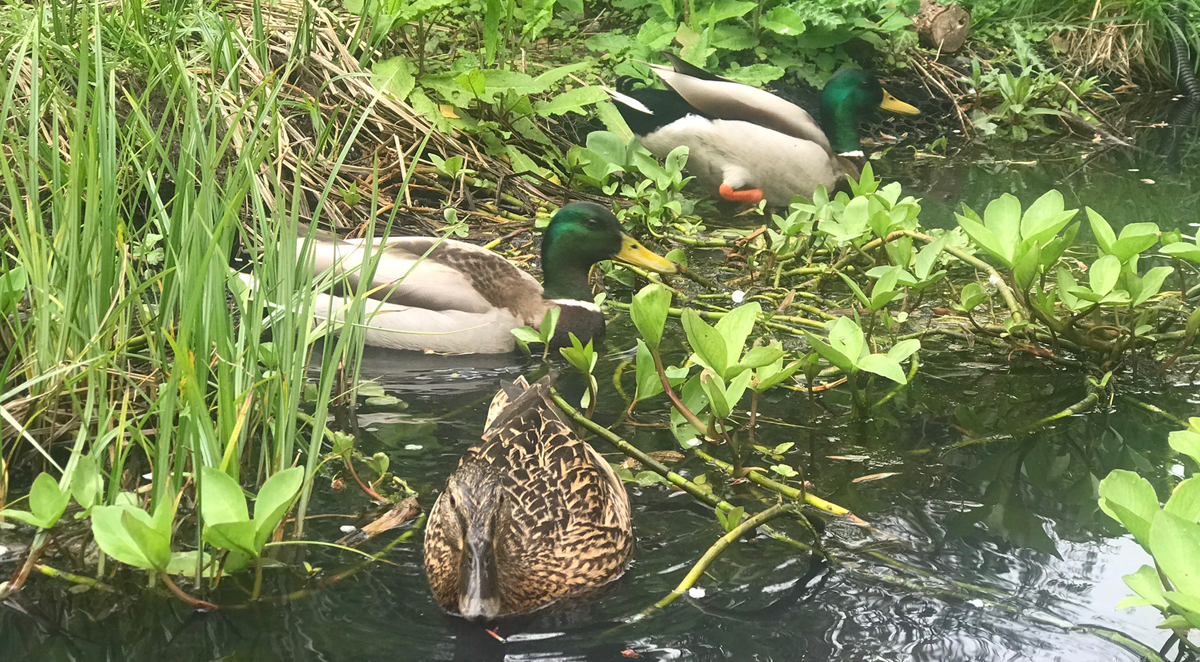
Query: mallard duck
[
  {"x": 747, "y": 144},
  {"x": 455, "y": 297},
  {"x": 532, "y": 514}
]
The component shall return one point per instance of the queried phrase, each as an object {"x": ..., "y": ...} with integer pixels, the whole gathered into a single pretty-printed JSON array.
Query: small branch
[
  {"x": 193, "y": 602},
  {"x": 786, "y": 490},
  {"x": 73, "y": 578},
  {"x": 722, "y": 544}
]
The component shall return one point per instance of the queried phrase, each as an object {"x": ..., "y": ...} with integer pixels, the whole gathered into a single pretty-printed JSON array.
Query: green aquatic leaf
[
  {"x": 1187, "y": 604},
  {"x": 1134, "y": 238},
  {"x": 1186, "y": 442},
  {"x": 113, "y": 538},
  {"x": 233, "y": 536},
  {"x": 1103, "y": 274},
  {"x": 904, "y": 349},
  {"x": 1185, "y": 500},
  {"x": 884, "y": 366},
  {"x": 1185, "y": 250},
  {"x": 1131, "y": 500},
  {"x": 847, "y": 338},
  {"x": 1102, "y": 230},
  {"x": 1003, "y": 217},
  {"x": 708, "y": 343},
  {"x": 275, "y": 499},
  {"x": 87, "y": 483},
  {"x": 649, "y": 384},
  {"x": 714, "y": 388},
  {"x": 1146, "y": 583},
  {"x": 649, "y": 313},
  {"x": 1045, "y": 218},
  {"x": 221, "y": 498},
  {"x": 1175, "y": 544},
  {"x": 971, "y": 296},
  {"x": 1150, "y": 284},
  {"x": 735, "y": 328}
]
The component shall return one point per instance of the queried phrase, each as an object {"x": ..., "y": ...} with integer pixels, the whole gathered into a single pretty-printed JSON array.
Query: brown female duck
[{"x": 531, "y": 515}]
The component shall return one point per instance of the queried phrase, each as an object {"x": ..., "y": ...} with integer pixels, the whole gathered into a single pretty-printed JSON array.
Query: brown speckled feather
[{"x": 565, "y": 528}]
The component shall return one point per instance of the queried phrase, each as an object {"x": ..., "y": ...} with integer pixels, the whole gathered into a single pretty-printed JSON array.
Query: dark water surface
[{"x": 1017, "y": 517}]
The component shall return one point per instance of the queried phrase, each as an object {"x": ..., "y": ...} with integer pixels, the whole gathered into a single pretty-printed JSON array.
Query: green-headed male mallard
[
  {"x": 747, "y": 144},
  {"x": 454, "y": 297},
  {"x": 532, "y": 515}
]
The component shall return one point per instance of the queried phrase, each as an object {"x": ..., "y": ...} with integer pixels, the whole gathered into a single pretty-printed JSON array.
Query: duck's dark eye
[{"x": 453, "y": 503}]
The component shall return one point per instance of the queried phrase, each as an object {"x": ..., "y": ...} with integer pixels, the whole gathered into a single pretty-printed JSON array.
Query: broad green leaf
[
  {"x": 1066, "y": 289},
  {"x": 777, "y": 375},
  {"x": 1131, "y": 500},
  {"x": 649, "y": 313},
  {"x": 111, "y": 536},
  {"x": 1146, "y": 583},
  {"x": 1175, "y": 544},
  {"x": 714, "y": 388},
  {"x": 858, "y": 293},
  {"x": 87, "y": 484},
  {"x": 154, "y": 546},
  {"x": 1003, "y": 217},
  {"x": 571, "y": 101},
  {"x": 1151, "y": 284},
  {"x": 1187, "y": 604},
  {"x": 784, "y": 20},
  {"x": 1185, "y": 500},
  {"x": 736, "y": 326},
  {"x": 971, "y": 296},
  {"x": 884, "y": 366},
  {"x": 927, "y": 257},
  {"x": 274, "y": 500},
  {"x": 1135, "y": 238},
  {"x": 233, "y": 536},
  {"x": 526, "y": 335},
  {"x": 1045, "y": 217},
  {"x": 1102, "y": 230},
  {"x": 904, "y": 349},
  {"x": 394, "y": 76},
  {"x": 47, "y": 501},
  {"x": 830, "y": 354},
  {"x": 737, "y": 388},
  {"x": 846, "y": 337},
  {"x": 649, "y": 384},
  {"x": 221, "y": 498},
  {"x": 1182, "y": 249},
  {"x": 1025, "y": 265},
  {"x": 761, "y": 356},
  {"x": 706, "y": 342},
  {"x": 1186, "y": 442},
  {"x": 983, "y": 237},
  {"x": 12, "y": 288},
  {"x": 856, "y": 218},
  {"x": 721, "y": 10},
  {"x": 1103, "y": 274},
  {"x": 184, "y": 563}
]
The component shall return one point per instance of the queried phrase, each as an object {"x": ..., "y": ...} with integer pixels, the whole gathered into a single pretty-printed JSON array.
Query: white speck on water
[
  {"x": 977, "y": 603},
  {"x": 347, "y": 529},
  {"x": 738, "y": 296},
  {"x": 413, "y": 447},
  {"x": 696, "y": 592},
  {"x": 1134, "y": 170},
  {"x": 994, "y": 279},
  {"x": 3, "y": 550},
  {"x": 692, "y": 443}
]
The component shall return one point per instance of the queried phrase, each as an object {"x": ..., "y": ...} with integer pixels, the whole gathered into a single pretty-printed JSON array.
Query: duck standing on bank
[
  {"x": 531, "y": 516},
  {"x": 748, "y": 145},
  {"x": 455, "y": 297}
]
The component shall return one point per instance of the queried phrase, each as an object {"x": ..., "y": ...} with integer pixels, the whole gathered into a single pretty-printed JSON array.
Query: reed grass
[{"x": 138, "y": 156}]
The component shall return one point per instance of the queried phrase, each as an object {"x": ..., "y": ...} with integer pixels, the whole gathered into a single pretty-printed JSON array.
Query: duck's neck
[
  {"x": 840, "y": 124},
  {"x": 565, "y": 278}
]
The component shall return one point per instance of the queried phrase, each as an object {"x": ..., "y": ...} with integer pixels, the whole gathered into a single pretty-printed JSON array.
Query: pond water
[{"x": 1017, "y": 517}]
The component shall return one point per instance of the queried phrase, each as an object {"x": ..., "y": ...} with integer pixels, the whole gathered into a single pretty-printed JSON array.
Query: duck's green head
[
  {"x": 580, "y": 235},
  {"x": 847, "y": 98}
]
